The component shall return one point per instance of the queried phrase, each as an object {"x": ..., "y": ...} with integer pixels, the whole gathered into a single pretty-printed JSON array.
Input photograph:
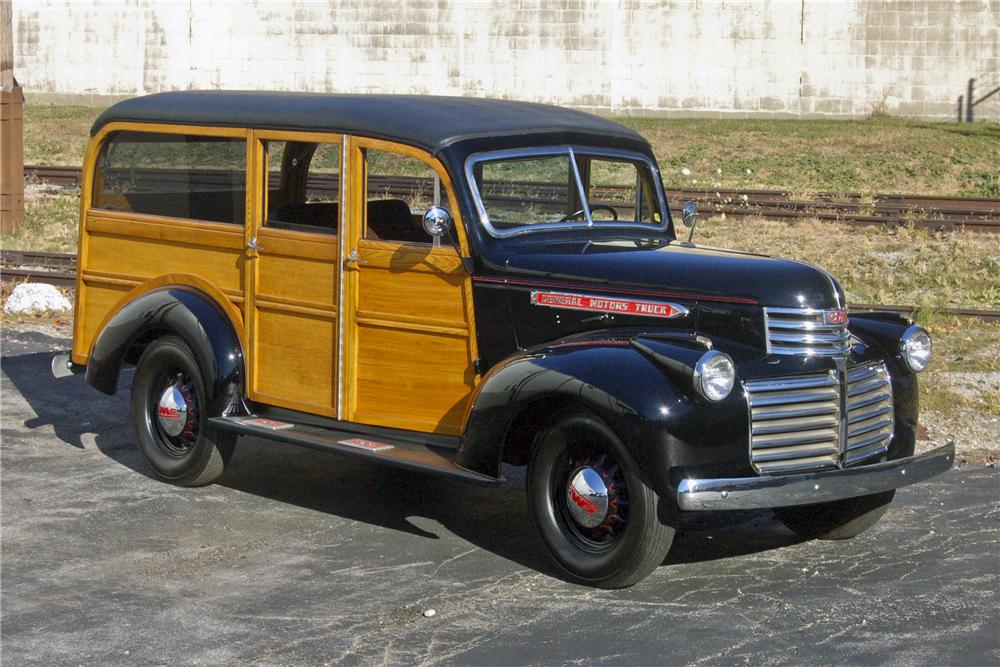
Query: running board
[{"x": 392, "y": 451}]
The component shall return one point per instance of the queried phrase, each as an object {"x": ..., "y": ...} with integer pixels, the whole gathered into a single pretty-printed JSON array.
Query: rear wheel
[
  {"x": 837, "y": 520},
  {"x": 168, "y": 411},
  {"x": 600, "y": 522}
]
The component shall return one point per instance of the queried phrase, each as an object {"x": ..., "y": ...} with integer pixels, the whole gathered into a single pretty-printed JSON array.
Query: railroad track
[
  {"x": 935, "y": 213},
  {"x": 60, "y": 269}
]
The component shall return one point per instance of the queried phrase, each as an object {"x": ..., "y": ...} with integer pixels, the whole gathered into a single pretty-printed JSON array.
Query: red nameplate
[
  {"x": 361, "y": 443},
  {"x": 271, "y": 424},
  {"x": 603, "y": 304}
]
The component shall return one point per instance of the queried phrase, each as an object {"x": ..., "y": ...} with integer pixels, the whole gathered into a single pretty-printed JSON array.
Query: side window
[
  {"x": 176, "y": 175},
  {"x": 400, "y": 190},
  {"x": 303, "y": 186}
]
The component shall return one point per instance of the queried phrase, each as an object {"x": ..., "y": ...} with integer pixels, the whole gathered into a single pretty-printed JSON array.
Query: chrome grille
[
  {"x": 869, "y": 413},
  {"x": 803, "y": 331},
  {"x": 794, "y": 423}
]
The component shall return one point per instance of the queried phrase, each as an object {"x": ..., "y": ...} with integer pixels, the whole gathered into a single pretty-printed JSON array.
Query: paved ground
[{"x": 303, "y": 558}]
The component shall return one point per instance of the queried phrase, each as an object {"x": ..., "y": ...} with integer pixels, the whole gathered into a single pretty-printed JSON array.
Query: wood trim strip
[
  {"x": 276, "y": 303},
  {"x": 459, "y": 332},
  {"x": 111, "y": 278},
  {"x": 311, "y": 408},
  {"x": 190, "y": 223}
]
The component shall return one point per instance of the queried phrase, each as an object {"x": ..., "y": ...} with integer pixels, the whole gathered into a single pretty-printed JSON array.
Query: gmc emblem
[{"x": 835, "y": 316}]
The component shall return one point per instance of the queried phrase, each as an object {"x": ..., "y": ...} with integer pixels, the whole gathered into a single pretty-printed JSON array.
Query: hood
[{"x": 682, "y": 270}]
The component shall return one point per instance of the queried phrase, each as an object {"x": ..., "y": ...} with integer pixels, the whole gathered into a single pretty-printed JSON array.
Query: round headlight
[
  {"x": 714, "y": 375},
  {"x": 915, "y": 348}
]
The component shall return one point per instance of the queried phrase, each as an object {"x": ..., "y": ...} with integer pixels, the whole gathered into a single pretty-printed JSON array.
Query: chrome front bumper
[{"x": 742, "y": 493}]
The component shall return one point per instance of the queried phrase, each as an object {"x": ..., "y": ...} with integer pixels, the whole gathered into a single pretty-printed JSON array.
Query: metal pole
[
  {"x": 961, "y": 108},
  {"x": 968, "y": 100}
]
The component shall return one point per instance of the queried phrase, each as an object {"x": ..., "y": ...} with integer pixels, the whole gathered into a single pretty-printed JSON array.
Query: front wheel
[
  {"x": 600, "y": 522},
  {"x": 837, "y": 520},
  {"x": 168, "y": 411}
]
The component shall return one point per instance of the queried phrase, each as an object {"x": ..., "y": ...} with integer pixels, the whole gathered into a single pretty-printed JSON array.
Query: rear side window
[{"x": 175, "y": 175}]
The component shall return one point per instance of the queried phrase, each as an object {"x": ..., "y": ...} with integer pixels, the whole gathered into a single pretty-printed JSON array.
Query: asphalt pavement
[{"x": 301, "y": 558}]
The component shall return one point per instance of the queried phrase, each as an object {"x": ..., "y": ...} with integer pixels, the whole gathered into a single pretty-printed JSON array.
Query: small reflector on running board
[
  {"x": 271, "y": 424},
  {"x": 370, "y": 445}
]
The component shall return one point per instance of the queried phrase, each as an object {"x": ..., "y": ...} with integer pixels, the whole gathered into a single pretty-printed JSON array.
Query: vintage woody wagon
[{"x": 449, "y": 285}]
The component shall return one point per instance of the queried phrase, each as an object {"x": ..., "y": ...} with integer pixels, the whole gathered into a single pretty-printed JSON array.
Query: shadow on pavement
[{"x": 495, "y": 518}]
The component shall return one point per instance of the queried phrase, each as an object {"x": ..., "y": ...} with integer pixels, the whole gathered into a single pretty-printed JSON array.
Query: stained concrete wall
[{"x": 743, "y": 57}]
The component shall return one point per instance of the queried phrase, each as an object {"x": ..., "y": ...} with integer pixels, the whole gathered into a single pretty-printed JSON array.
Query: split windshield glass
[{"x": 526, "y": 190}]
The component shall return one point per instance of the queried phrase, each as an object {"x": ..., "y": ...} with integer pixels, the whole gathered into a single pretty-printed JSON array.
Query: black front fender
[
  {"x": 182, "y": 311},
  {"x": 650, "y": 407}
]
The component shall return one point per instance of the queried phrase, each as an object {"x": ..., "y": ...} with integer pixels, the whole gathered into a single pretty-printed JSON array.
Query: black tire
[
  {"x": 199, "y": 454},
  {"x": 837, "y": 520},
  {"x": 634, "y": 537}
]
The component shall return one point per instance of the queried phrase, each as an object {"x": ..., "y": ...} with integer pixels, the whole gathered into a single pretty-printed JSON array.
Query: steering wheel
[{"x": 595, "y": 207}]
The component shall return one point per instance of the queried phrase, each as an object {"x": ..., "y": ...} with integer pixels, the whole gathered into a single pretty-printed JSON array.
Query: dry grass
[
  {"x": 51, "y": 220},
  {"x": 803, "y": 156},
  {"x": 808, "y": 156},
  {"x": 57, "y": 136},
  {"x": 877, "y": 265}
]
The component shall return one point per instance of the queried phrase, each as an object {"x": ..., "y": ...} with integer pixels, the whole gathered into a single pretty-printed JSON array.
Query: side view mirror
[
  {"x": 437, "y": 223},
  {"x": 689, "y": 214}
]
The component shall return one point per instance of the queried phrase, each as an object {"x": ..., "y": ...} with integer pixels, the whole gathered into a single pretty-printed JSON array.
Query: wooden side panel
[
  {"x": 119, "y": 251},
  {"x": 295, "y": 327},
  {"x": 414, "y": 349},
  {"x": 124, "y": 252}
]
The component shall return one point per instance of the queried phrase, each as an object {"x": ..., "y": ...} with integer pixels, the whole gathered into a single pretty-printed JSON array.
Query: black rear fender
[{"x": 172, "y": 310}]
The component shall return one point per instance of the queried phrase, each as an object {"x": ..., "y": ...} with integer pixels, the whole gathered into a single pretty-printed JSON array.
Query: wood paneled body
[
  {"x": 388, "y": 341},
  {"x": 413, "y": 343},
  {"x": 294, "y": 327}
]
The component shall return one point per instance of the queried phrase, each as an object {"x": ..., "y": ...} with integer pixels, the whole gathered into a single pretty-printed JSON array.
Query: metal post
[
  {"x": 11, "y": 129},
  {"x": 961, "y": 108},
  {"x": 970, "y": 96}
]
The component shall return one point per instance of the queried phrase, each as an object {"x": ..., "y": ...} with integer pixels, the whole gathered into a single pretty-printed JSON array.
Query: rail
[{"x": 890, "y": 210}]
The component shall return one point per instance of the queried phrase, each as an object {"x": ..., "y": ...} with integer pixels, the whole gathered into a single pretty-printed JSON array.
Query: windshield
[{"x": 532, "y": 189}]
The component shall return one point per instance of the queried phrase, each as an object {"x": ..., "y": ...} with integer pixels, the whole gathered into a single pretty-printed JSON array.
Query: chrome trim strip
[
  {"x": 802, "y": 489},
  {"x": 580, "y": 188},
  {"x": 340, "y": 276},
  {"x": 541, "y": 151}
]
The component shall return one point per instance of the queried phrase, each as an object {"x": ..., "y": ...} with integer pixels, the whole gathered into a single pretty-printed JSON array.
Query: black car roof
[{"x": 426, "y": 121}]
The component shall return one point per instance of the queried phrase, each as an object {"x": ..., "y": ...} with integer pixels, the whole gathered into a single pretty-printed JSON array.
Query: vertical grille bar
[{"x": 870, "y": 418}]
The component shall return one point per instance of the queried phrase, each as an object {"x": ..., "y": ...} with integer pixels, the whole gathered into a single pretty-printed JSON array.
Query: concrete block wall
[{"x": 741, "y": 57}]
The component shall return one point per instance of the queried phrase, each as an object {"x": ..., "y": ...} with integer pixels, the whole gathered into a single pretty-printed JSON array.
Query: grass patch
[
  {"x": 881, "y": 154},
  {"x": 57, "y": 135},
  {"x": 51, "y": 221},
  {"x": 877, "y": 265},
  {"x": 806, "y": 156}
]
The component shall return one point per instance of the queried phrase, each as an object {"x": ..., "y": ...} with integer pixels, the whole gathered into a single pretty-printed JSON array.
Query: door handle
[
  {"x": 352, "y": 258},
  {"x": 252, "y": 244}
]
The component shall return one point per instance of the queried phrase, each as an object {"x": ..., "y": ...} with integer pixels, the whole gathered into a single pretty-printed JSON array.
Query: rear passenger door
[
  {"x": 408, "y": 323},
  {"x": 293, "y": 255}
]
